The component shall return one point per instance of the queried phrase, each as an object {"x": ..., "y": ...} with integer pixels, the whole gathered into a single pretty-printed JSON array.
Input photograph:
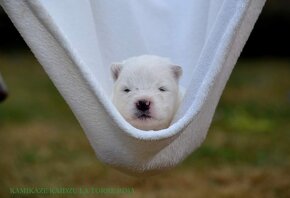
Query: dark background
[{"x": 270, "y": 37}]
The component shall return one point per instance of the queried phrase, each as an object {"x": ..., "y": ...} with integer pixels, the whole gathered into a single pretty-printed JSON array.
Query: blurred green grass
[{"x": 42, "y": 144}]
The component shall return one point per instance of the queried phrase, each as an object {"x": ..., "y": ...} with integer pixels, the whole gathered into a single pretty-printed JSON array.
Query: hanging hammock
[{"x": 76, "y": 41}]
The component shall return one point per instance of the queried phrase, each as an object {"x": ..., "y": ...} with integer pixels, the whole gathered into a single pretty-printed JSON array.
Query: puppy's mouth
[{"x": 143, "y": 115}]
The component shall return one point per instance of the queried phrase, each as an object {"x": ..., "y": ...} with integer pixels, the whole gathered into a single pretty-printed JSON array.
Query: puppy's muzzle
[{"x": 143, "y": 109}]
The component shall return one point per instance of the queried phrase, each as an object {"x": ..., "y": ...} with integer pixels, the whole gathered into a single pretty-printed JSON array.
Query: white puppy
[{"x": 146, "y": 91}]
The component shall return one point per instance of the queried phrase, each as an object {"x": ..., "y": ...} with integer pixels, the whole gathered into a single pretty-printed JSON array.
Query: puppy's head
[{"x": 146, "y": 91}]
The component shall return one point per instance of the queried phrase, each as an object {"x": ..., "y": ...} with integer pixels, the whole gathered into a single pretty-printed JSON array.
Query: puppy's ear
[
  {"x": 115, "y": 70},
  {"x": 177, "y": 71}
]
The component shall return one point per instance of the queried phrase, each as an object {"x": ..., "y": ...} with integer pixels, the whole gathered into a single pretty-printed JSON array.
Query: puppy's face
[{"x": 146, "y": 91}]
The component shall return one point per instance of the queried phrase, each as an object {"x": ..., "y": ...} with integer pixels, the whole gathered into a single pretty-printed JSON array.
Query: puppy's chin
[{"x": 148, "y": 123}]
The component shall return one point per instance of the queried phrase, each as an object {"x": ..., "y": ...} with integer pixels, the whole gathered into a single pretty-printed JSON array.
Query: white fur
[{"x": 147, "y": 78}]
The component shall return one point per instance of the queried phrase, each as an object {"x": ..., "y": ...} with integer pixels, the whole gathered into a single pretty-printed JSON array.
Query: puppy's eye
[
  {"x": 162, "y": 89},
  {"x": 126, "y": 90}
]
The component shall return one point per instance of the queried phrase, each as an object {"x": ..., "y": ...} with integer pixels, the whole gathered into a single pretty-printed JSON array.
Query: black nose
[{"x": 143, "y": 105}]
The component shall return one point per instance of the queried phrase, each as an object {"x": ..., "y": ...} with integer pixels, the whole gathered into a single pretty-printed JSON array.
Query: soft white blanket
[{"x": 76, "y": 40}]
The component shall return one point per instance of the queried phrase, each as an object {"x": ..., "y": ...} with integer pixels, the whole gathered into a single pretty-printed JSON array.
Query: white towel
[{"x": 75, "y": 41}]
